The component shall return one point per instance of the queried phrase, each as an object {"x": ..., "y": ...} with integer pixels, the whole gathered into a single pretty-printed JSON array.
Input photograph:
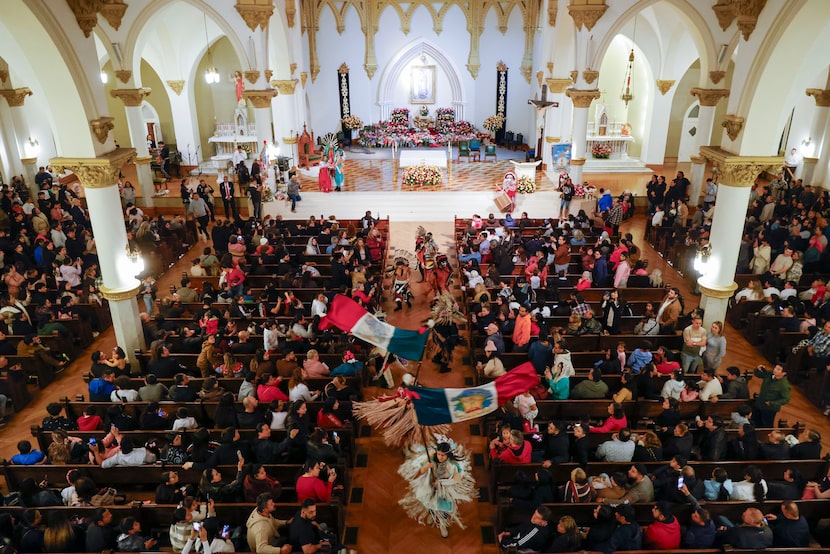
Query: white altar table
[
  {"x": 618, "y": 144},
  {"x": 436, "y": 157}
]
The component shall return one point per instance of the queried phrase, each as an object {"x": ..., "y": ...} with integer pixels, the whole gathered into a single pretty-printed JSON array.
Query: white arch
[
  {"x": 132, "y": 58},
  {"x": 396, "y": 65},
  {"x": 698, "y": 29}
]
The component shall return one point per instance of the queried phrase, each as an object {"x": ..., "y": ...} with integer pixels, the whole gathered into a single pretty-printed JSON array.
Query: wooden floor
[{"x": 377, "y": 524}]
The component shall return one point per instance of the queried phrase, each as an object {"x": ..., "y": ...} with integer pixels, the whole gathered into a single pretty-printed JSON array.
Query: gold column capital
[
  {"x": 97, "y": 173},
  {"x": 176, "y": 85},
  {"x": 739, "y": 171},
  {"x": 664, "y": 85},
  {"x": 260, "y": 98},
  {"x": 551, "y": 140},
  {"x": 113, "y": 11},
  {"x": 577, "y": 161},
  {"x": 582, "y": 98},
  {"x": 143, "y": 160},
  {"x": 101, "y": 127},
  {"x": 114, "y": 295},
  {"x": 733, "y": 125},
  {"x": 123, "y": 75},
  {"x": 716, "y": 76},
  {"x": 251, "y": 75},
  {"x": 285, "y": 86},
  {"x": 709, "y": 96},
  {"x": 697, "y": 159},
  {"x": 255, "y": 13},
  {"x": 290, "y": 13},
  {"x": 16, "y": 96},
  {"x": 822, "y": 97},
  {"x": 86, "y": 14},
  {"x": 715, "y": 291},
  {"x": 131, "y": 97},
  {"x": 586, "y": 12},
  {"x": 558, "y": 86},
  {"x": 810, "y": 161},
  {"x": 590, "y": 75},
  {"x": 725, "y": 13},
  {"x": 28, "y": 161}
]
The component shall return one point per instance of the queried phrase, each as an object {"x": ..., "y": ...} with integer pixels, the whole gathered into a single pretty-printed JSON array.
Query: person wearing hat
[
  {"x": 664, "y": 533},
  {"x": 439, "y": 480},
  {"x": 492, "y": 366}
]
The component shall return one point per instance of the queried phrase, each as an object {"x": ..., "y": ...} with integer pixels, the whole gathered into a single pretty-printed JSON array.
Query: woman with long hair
[
  {"x": 745, "y": 446},
  {"x": 648, "y": 448},
  {"x": 320, "y": 449},
  {"x": 257, "y": 481},
  {"x": 567, "y": 538},
  {"x": 298, "y": 390},
  {"x": 60, "y": 535},
  {"x": 753, "y": 488},
  {"x": 328, "y": 417},
  {"x": 212, "y": 487},
  {"x": 715, "y": 346}
]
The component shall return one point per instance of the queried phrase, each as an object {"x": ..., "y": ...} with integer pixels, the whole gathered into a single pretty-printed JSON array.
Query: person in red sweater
[
  {"x": 517, "y": 453},
  {"x": 616, "y": 422},
  {"x": 327, "y": 417},
  {"x": 268, "y": 389},
  {"x": 664, "y": 533},
  {"x": 90, "y": 421},
  {"x": 309, "y": 484}
]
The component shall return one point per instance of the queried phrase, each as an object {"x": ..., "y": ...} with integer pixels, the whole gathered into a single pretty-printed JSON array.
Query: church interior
[{"x": 420, "y": 112}]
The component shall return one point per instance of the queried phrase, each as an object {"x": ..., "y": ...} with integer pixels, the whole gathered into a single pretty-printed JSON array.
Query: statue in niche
[{"x": 240, "y": 88}]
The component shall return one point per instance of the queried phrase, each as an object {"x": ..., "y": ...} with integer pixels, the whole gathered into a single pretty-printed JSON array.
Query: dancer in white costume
[{"x": 439, "y": 480}]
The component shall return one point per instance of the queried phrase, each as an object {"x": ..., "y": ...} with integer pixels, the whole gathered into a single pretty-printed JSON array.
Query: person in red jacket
[
  {"x": 327, "y": 417},
  {"x": 90, "y": 421},
  {"x": 664, "y": 533},
  {"x": 309, "y": 484},
  {"x": 616, "y": 422},
  {"x": 517, "y": 453},
  {"x": 268, "y": 389}
]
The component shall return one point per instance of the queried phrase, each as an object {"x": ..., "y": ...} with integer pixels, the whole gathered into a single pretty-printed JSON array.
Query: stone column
[
  {"x": 185, "y": 123},
  {"x": 286, "y": 119},
  {"x": 579, "y": 132},
  {"x": 819, "y": 133},
  {"x": 555, "y": 120},
  {"x": 18, "y": 135},
  {"x": 737, "y": 174},
  {"x": 708, "y": 99},
  {"x": 99, "y": 178},
  {"x": 133, "y": 99}
]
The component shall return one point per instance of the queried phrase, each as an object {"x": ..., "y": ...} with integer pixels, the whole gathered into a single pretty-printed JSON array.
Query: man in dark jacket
[
  {"x": 752, "y": 534},
  {"x": 267, "y": 451},
  {"x": 532, "y": 535},
  {"x": 556, "y": 445},
  {"x": 736, "y": 387},
  {"x": 789, "y": 529},
  {"x": 775, "y": 393},
  {"x": 713, "y": 444},
  {"x": 100, "y": 533},
  {"x": 628, "y": 535}
]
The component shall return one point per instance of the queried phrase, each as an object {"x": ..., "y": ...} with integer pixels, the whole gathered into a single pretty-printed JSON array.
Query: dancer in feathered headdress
[{"x": 440, "y": 478}]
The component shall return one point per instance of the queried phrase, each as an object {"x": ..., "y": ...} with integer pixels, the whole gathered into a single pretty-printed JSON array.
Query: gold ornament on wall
[
  {"x": 176, "y": 85},
  {"x": 292, "y": 67},
  {"x": 131, "y": 97},
  {"x": 733, "y": 125},
  {"x": 255, "y": 13},
  {"x": 709, "y": 96},
  {"x": 86, "y": 14},
  {"x": 303, "y": 78},
  {"x": 15, "y": 96},
  {"x": 113, "y": 11},
  {"x": 664, "y": 85},
  {"x": 101, "y": 128},
  {"x": 550, "y": 68},
  {"x": 290, "y": 13},
  {"x": 540, "y": 75},
  {"x": 725, "y": 13},
  {"x": 582, "y": 98},
  {"x": 717, "y": 76},
  {"x": 586, "y": 13},
  {"x": 558, "y": 86},
  {"x": 343, "y": 69},
  {"x": 251, "y": 75},
  {"x": 123, "y": 75},
  {"x": 590, "y": 75},
  {"x": 268, "y": 74},
  {"x": 822, "y": 97},
  {"x": 4, "y": 74},
  {"x": 260, "y": 98},
  {"x": 574, "y": 75},
  {"x": 97, "y": 173},
  {"x": 286, "y": 86}
]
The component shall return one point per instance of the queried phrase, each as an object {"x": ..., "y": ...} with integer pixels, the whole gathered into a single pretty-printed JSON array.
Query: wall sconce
[
  {"x": 34, "y": 143},
  {"x": 104, "y": 77},
  {"x": 807, "y": 141},
  {"x": 135, "y": 260},
  {"x": 701, "y": 263}
]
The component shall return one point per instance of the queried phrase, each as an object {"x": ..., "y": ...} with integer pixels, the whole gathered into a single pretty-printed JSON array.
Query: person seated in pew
[
  {"x": 736, "y": 386},
  {"x": 592, "y": 388},
  {"x": 319, "y": 448},
  {"x": 789, "y": 528},
  {"x": 123, "y": 390},
  {"x": 102, "y": 387},
  {"x": 121, "y": 451},
  {"x": 267, "y": 451},
  {"x": 776, "y": 447},
  {"x": 532, "y": 535},
  {"x": 518, "y": 452},
  {"x": 619, "y": 449},
  {"x": 131, "y": 539},
  {"x": 55, "y": 421},
  {"x": 616, "y": 420},
  {"x": 169, "y": 490},
  {"x": 101, "y": 533},
  {"x": 610, "y": 363},
  {"x": 640, "y": 357},
  {"x": 598, "y": 535},
  {"x": 666, "y": 420},
  {"x": 664, "y": 532},
  {"x": 627, "y": 535},
  {"x": 790, "y": 487},
  {"x": 350, "y": 367},
  {"x": 184, "y": 421},
  {"x": 753, "y": 533},
  {"x": 647, "y": 447},
  {"x": 162, "y": 364},
  {"x": 210, "y": 391},
  {"x": 710, "y": 386},
  {"x": 809, "y": 448},
  {"x": 152, "y": 391},
  {"x": 153, "y": 418},
  {"x": 89, "y": 420},
  {"x": 555, "y": 446},
  {"x": 118, "y": 418},
  {"x": 27, "y": 456},
  {"x": 665, "y": 361}
]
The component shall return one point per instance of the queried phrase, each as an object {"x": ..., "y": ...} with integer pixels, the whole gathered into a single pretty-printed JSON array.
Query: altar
[
  {"x": 611, "y": 140},
  {"x": 435, "y": 157}
]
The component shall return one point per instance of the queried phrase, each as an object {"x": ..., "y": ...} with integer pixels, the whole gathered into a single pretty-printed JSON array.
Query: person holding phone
[{"x": 212, "y": 537}]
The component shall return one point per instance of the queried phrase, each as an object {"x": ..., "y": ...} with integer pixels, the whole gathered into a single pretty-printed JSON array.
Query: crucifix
[{"x": 541, "y": 109}]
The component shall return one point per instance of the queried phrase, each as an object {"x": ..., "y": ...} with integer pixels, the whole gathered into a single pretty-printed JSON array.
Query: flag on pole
[
  {"x": 347, "y": 315},
  {"x": 437, "y": 406}
]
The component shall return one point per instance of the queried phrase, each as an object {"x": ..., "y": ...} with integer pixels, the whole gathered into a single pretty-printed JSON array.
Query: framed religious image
[{"x": 422, "y": 84}]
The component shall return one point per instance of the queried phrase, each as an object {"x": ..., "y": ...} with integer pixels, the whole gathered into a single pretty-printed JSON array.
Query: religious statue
[
  {"x": 240, "y": 88},
  {"x": 508, "y": 186}
]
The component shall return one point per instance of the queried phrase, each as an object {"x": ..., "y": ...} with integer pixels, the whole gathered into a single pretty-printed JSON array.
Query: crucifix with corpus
[{"x": 541, "y": 110}]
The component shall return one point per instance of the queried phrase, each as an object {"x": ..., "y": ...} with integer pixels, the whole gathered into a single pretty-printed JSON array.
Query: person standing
[
  {"x": 255, "y": 194},
  {"x": 227, "y": 192},
  {"x": 164, "y": 160},
  {"x": 775, "y": 393},
  {"x": 694, "y": 339},
  {"x": 199, "y": 210},
  {"x": 669, "y": 311},
  {"x": 614, "y": 217},
  {"x": 439, "y": 480},
  {"x": 293, "y": 192}
]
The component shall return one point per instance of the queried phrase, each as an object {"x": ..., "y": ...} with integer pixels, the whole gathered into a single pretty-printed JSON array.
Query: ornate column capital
[
  {"x": 590, "y": 75},
  {"x": 586, "y": 12},
  {"x": 113, "y": 11},
  {"x": 16, "y": 96},
  {"x": 577, "y": 161},
  {"x": 558, "y": 86},
  {"x": 697, "y": 159},
  {"x": 739, "y": 171},
  {"x": 733, "y": 125},
  {"x": 725, "y": 13},
  {"x": 255, "y": 13},
  {"x": 102, "y": 127},
  {"x": 123, "y": 75},
  {"x": 713, "y": 291},
  {"x": 822, "y": 97},
  {"x": 86, "y": 14},
  {"x": 285, "y": 86},
  {"x": 664, "y": 85},
  {"x": 260, "y": 98},
  {"x": 114, "y": 295},
  {"x": 716, "y": 76},
  {"x": 97, "y": 173},
  {"x": 709, "y": 96},
  {"x": 131, "y": 97},
  {"x": 290, "y": 13},
  {"x": 176, "y": 85},
  {"x": 582, "y": 98},
  {"x": 252, "y": 76}
]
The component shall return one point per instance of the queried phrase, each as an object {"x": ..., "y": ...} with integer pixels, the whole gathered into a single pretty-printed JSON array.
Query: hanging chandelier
[
  {"x": 211, "y": 73},
  {"x": 626, "y": 95}
]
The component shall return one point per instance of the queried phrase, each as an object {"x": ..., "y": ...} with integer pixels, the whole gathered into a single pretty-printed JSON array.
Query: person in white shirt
[
  {"x": 127, "y": 455},
  {"x": 673, "y": 386},
  {"x": 239, "y": 156},
  {"x": 657, "y": 218},
  {"x": 184, "y": 421},
  {"x": 319, "y": 306},
  {"x": 271, "y": 336},
  {"x": 709, "y": 385},
  {"x": 789, "y": 291}
]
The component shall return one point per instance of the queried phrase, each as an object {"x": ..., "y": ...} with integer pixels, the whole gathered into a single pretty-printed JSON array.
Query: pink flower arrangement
[
  {"x": 352, "y": 122},
  {"x": 493, "y": 123},
  {"x": 525, "y": 185},
  {"x": 601, "y": 150},
  {"x": 421, "y": 176}
]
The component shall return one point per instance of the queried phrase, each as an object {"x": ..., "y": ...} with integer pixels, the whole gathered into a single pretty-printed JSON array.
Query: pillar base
[
  {"x": 125, "y": 321},
  {"x": 715, "y": 301}
]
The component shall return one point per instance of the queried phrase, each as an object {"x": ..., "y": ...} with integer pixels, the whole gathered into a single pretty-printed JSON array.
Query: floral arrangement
[
  {"x": 579, "y": 190},
  {"x": 422, "y": 176},
  {"x": 493, "y": 123},
  {"x": 386, "y": 133},
  {"x": 267, "y": 194},
  {"x": 400, "y": 116},
  {"x": 444, "y": 117},
  {"x": 424, "y": 111},
  {"x": 352, "y": 122},
  {"x": 525, "y": 185},
  {"x": 601, "y": 150}
]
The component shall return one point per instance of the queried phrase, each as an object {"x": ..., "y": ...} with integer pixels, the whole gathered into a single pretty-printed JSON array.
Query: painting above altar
[{"x": 422, "y": 84}]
